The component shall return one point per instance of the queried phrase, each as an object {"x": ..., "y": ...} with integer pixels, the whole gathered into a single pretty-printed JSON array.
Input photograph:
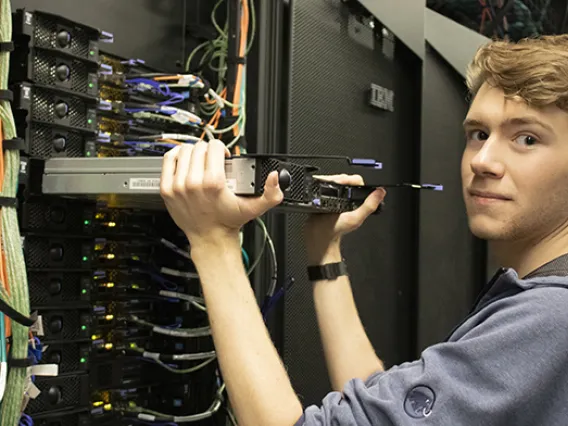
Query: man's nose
[{"x": 488, "y": 161}]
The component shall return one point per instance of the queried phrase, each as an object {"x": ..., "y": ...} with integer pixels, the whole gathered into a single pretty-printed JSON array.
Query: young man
[{"x": 506, "y": 363}]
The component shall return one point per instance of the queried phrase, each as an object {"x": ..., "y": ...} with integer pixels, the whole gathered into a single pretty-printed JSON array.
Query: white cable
[
  {"x": 209, "y": 133},
  {"x": 182, "y": 296},
  {"x": 180, "y": 137},
  {"x": 195, "y": 301},
  {"x": 274, "y": 279},
  {"x": 181, "y": 357},
  {"x": 176, "y": 273},
  {"x": 179, "y": 332},
  {"x": 181, "y": 116},
  {"x": 171, "y": 245},
  {"x": 218, "y": 99},
  {"x": 3, "y": 377}
]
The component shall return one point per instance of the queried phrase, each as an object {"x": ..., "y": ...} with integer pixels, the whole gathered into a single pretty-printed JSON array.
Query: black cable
[{"x": 183, "y": 32}]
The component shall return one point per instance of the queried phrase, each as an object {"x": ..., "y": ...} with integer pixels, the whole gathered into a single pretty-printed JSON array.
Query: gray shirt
[{"x": 505, "y": 364}]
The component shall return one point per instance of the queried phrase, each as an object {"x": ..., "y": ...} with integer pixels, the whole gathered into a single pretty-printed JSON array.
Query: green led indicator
[
  {"x": 84, "y": 291},
  {"x": 88, "y": 153},
  {"x": 87, "y": 222},
  {"x": 83, "y": 360},
  {"x": 83, "y": 327},
  {"x": 85, "y": 258},
  {"x": 89, "y": 121},
  {"x": 92, "y": 52},
  {"x": 91, "y": 85}
]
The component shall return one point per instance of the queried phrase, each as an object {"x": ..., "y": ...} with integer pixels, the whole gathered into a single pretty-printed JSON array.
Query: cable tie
[
  {"x": 237, "y": 60},
  {"x": 20, "y": 363},
  {"x": 6, "y": 46},
  {"x": 16, "y": 144},
  {"x": 6, "y": 95},
  {"x": 8, "y": 202}
]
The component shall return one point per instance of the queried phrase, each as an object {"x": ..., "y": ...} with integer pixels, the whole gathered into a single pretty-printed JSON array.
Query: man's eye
[
  {"x": 477, "y": 135},
  {"x": 526, "y": 140}
]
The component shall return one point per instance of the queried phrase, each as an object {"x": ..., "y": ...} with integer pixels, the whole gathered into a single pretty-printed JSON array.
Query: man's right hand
[{"x": 323, "y": 232}]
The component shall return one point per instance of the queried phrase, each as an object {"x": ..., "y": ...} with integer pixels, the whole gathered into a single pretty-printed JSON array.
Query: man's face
[{"x": 515, "y": 168}]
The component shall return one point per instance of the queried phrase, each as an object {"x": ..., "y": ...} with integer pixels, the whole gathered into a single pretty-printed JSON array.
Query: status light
[
  {"x": 111, "y": 224},
  {"x": 108, "y": 346},
  {"x": 98, "y": 403},
  {"x": 107, "y": 407},
  {"x": 85, "y": 258},
  {"x": 109, "y": 317},
  {"x": 83, "y": 360}
]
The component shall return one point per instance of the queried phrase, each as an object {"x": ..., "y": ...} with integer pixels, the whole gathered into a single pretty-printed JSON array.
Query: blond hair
[{"x": 532, "y": 69}]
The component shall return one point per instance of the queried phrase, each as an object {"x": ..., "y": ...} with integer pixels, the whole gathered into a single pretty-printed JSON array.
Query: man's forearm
[
  {"x": 348, "y": 351},
  {"x": 257, "y": 383}
]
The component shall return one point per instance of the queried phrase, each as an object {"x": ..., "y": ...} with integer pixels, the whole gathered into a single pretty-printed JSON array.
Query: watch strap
[{"x": 328, "y": 271}]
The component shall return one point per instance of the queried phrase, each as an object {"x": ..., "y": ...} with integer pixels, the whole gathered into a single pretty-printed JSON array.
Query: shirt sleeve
[{"x": 508, "y": 369}]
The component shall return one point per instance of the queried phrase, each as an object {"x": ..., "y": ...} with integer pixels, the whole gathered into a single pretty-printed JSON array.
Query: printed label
[{"x": 144, "y": 183}]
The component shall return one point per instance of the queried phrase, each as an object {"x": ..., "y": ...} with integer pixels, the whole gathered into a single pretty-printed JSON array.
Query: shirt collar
[{"x": 506, "y": 281}]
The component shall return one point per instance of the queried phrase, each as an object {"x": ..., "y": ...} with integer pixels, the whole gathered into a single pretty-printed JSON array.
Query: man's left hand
[{"x": 194, "y": 188}]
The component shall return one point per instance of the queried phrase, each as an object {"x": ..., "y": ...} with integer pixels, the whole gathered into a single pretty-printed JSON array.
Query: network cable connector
[{"x": 135, "y": 182}]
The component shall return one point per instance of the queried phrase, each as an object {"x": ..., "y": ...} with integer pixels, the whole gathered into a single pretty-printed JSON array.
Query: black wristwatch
[{"x": 329, "y": 271}]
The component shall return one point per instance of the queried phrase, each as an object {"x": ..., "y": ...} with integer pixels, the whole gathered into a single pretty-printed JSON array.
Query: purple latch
[
  {"x": 105, "y": 69},
  {"x": 434, "y": 187},
  {"x": 106, "y": 37},
  {"x": 366, "y": 162}
]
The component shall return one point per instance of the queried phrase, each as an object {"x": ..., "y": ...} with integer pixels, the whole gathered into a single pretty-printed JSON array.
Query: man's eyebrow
[{"x": 514, "y": 121}]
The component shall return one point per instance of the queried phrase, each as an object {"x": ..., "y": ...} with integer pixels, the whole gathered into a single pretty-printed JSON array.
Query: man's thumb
[
  {"x": 272, "y": 193},
  {"x": 271, "y": 197}
]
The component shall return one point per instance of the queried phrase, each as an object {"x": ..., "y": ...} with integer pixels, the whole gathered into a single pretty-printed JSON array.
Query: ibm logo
[
  {"x": 26, "y": 92},
  {"x": 381, "y": 98}
]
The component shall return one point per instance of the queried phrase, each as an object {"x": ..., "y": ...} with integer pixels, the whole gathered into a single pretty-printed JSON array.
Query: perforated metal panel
[
  {"x": 334, "y": 61},
  {"x": 44, "y": 72},
  {"x": 44, "y": 104},
  {"x": 54, "y": 288},
  {"x": 46, "y": 31},
  {"x": 58, "y": 393}
]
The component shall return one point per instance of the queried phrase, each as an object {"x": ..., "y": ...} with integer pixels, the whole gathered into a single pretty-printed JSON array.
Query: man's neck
[{"x": 526, "y": 256}]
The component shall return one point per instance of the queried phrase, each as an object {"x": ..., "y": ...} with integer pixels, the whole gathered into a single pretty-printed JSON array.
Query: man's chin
[{"x": 486, "y": 229}]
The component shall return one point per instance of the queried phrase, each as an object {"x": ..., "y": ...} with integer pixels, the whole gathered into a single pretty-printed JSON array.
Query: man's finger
[
  {"x": 369, "y": 206},
  {"x": 182, "y": 166},
  {"x": 355, "y": 180},
  {"x": 215, "y": 165},
  {"x": 197, "y": 165},
  {"x": 168, "y": 171}
]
